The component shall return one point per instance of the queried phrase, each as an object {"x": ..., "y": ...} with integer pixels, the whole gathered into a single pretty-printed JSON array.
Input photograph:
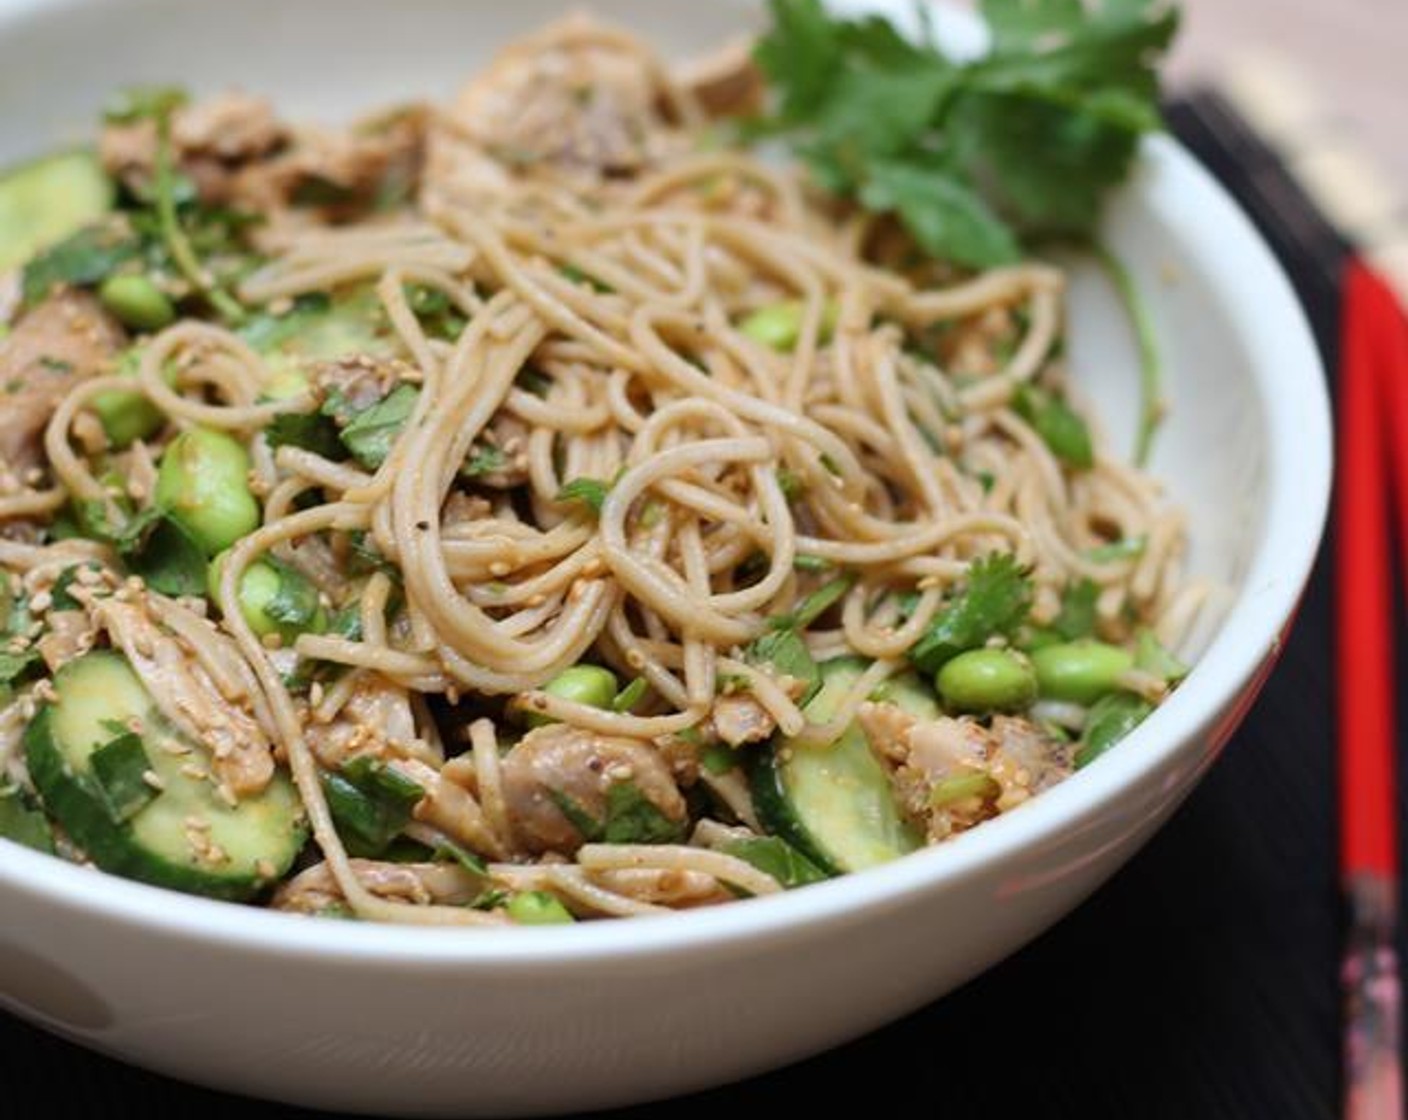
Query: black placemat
[{"x": 1199, "y": 983}]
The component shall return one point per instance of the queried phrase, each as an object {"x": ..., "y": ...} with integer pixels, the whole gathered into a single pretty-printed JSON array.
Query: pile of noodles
[{"x": 723, "y": 457}]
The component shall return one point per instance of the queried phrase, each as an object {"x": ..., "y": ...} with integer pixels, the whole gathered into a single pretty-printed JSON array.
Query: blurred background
[{"x": 1347, "y": 54}]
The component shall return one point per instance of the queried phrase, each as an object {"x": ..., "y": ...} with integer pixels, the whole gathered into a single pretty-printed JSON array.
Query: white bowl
[{"x": 367, "y": 1018}]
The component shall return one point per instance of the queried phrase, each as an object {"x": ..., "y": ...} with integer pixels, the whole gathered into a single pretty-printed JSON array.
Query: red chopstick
[{"x": 1373, "y": 450}]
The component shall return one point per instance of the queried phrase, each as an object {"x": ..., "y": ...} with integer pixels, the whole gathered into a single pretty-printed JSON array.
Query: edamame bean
[
  {"x": 138, "y": 302},
  {"x": 582, "y": 684},
  {"x": 203, "y": 485},
  {"x": 1080, "y": 672},
  {"x": 272, "y": 600},
  {"x": 987, "y": 680},
  {"x": 537, "y": 908},
  {"x": 126, "y": 415},
  {"x": 779, "y": 325}
]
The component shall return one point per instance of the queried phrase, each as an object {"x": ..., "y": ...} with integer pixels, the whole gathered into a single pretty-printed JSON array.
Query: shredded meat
[
  {"x": 64, "y": 340},
  {"x": 664, "y": 887},
  {"x": 315, "y": 891},
  {"x": 376, "y": 720},
  {"x": 558, "y": 761},
  {"x": 571, "y": 101},
  {"x": 67, "y": 635},
  {"x": 1013, "y": 755},
  {"x": 740, "y": 719},
  {"x": 241, "y": 753},
  {"x": 239, "y": 154},
  {"x": 450, "y": 806}
]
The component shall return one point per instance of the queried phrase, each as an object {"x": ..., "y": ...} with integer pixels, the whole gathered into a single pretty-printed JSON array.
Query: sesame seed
[{"x": 153, "y": 779}]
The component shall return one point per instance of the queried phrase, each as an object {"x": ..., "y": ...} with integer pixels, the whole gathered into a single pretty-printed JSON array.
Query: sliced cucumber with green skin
[
  {"x": 186, "y": 837},
  {"x": 319, "y": 329},
  {"x": 44, "y": 201},
  {"x": 835, "y": 803}
]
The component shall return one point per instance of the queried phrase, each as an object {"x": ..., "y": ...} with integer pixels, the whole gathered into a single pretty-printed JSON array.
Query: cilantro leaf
[
  {"x": 13, "y": 666},
  {"x": 483, "y": 459},
  {"x": 159, "y": 550},
  {"x": 591, "y": 492},
  {"x": 970, "y": 156},
  {"x": 785, "y": 652},
  {"x": 996, "y": 600},
  {"x": 295, "y": 604},
  {"x": 310, "y": 431},
  {"x": 118, "y": 768},
  {"x": 1060, "y": 427},
  {"x": 632, "y": 818},
  {"x": 370, "y": 803},
  {"x": 372, "y": 432},
  {"x": 776, "y": 857},
  {"x": 81, "y": 260},
  {"x": 948, "y": 218},
  {"x": 22, "y": 821}
]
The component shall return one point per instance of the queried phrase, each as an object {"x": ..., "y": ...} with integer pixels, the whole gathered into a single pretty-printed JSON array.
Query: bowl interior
[{"x": 1248, "y": 460}]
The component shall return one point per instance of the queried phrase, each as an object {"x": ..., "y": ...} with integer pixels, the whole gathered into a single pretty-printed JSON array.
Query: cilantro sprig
[{"x": 972, "y": 157}]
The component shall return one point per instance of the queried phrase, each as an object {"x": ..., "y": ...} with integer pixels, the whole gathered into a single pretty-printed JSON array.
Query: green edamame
[
  {"x": 590, "y": 685},
  {"x": 987, "y": 680},
  {"x": 273, "y": 600},
  {"x": 138, "y": 302},
  {"x": 537, "y": 908},
  {"x": 203, "y": 485},
  {"x": 126, "y": 414},
  {"x": 1082, "y": 671},
  {"x": 779, "y": 325}
]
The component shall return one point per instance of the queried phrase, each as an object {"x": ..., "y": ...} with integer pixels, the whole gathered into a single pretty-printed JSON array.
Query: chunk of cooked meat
[
  {"x": 66, "y": 339},
  {"x": 741, "y": 719},
  {"x": 727, "y": 82},
  {"x": 241, "y": 753},
  {"x": 211, "y": 139},
  {"x": 950, "y": 774},
  {"x": 572, "y": 101},
  {"x": 340, "y": 173},
  {"x": 557, "y": 762},
  {"x": 315, "y": 891}
]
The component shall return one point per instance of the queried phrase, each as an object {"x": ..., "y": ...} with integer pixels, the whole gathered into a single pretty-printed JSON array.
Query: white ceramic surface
[{"x": 387, "y": 1020}]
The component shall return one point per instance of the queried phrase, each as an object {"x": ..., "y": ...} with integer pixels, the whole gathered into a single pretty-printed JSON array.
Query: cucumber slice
[
  {"x": 319, "y": 328},
  {"x": 243, "y": 849},
  {"x": 835, "y": 803},
  {"x": 44, "y": 201}
]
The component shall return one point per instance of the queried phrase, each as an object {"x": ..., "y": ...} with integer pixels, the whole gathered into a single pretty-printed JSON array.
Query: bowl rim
[{"x": 1293, "y": 399}]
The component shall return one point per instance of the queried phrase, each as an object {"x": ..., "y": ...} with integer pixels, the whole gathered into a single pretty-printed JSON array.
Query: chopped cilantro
[
  {"x": 995, "y": 600},
  {"x": 371, "y": 433}
]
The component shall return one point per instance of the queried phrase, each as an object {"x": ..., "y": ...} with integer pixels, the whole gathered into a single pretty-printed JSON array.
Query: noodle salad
[{"x": 553, "y": 504}]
